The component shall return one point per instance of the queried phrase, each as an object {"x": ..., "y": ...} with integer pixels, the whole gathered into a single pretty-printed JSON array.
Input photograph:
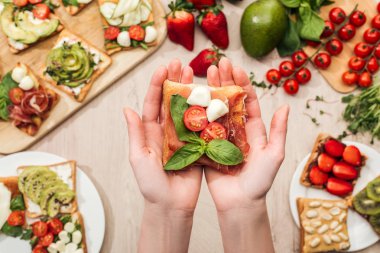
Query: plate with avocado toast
[{"x": 48, "y": 204}]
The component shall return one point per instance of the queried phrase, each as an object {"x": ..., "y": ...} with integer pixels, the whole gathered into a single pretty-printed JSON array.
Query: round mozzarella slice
[
  {"x": 216, "y": 109},
  {"x": 107, "y": 9},
  {"x": 64, "y": 236},
  {"x": 26, "y": 83},
  {"x": 71, "y": 247},
  {"x": 76, "y": 237},
  {"x": 200, "y": 95},
  {"x": 61, "y": 246},
  {"x": 69, "y": 227},
  {"x": 53, "y": 248},
  {"x": 150, "y": 34},
  {"x": 18, "y": 73},
  {"x": 123, "y": 39}
]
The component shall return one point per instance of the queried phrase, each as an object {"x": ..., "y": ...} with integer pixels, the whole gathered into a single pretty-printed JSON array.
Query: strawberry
[
  {"x": 318, "y": 177},
  {"x": 214, "y": 24},
  {"x": 180, "y": 23},
  {"x": 334, "y": 148},
  {"x": 352, "y": 155},
  {"x": 345, "y": 171},
  {"x": 201, "y": 4},
  {"x": 204, "y": 60},
  {"x": 338, "y": 187},
  {"x": 325, "y": 162}
]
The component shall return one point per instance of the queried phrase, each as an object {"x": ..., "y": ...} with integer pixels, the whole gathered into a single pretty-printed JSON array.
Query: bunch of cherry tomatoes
[{"x": 365, "y": 62}]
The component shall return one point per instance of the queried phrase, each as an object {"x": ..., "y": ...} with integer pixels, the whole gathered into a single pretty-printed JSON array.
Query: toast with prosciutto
[
  {"x": 24, "y": 101},
  {"x": 204, "y": 126}
]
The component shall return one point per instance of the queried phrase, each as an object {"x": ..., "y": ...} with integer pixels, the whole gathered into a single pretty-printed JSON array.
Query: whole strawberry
[
  {"x": 214, "y": 24},
  {"x": 201, "y": 4},
  {"x": 180, "y": 23},
  {"x": 204, "y": 60}
]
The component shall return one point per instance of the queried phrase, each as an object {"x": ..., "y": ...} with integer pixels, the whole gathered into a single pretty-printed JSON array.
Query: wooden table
[{"x": 97, "y": 138}]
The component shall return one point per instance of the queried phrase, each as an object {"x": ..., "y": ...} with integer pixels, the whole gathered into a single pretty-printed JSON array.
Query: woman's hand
[
  {"x": 240, "y": 198},
  {"x": 170, "y": 198}
]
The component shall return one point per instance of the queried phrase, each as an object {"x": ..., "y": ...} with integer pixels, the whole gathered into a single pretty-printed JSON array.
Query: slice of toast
[
  {"x": 12, "y": 184},
  {"x": 105, "y": 62},
  {"x": 66, "y": 168}
]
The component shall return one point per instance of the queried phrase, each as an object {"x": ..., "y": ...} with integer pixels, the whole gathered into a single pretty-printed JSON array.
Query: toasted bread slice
[
  {"x": 105, "y": 62},
  {"x": 33, "y": 210},
  {"x": 12, "y": 184},
  {"x": 79, "y": 218},
  {"x": 234, "y": 121},
  {"x": 26, "y": 46}
]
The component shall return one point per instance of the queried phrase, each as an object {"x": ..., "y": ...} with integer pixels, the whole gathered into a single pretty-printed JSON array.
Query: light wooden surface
[
  {"x": 97, "y": 138},
  {"x": 88, "y": 25},
  {"x": 334, "y": 73}
]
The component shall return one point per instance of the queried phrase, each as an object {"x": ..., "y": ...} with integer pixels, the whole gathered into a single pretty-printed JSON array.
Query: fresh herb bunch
[
  {"x": 363, "y": 111},
  {"x": 304, "y": 24},
  {"x": 220, "y": 151}
]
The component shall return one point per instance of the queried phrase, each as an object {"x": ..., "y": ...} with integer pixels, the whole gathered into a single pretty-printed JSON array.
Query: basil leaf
[
  {"x": 70, "y": 2},
  {"x": 291, "y": 3},
  {"x": 17, "y": 203},
  {"x": 291, "y": 41},
  {"x": 224, "y": 152},
  {"x": 178, "y": 106},
  {"x": 13, "y": 231},
  {"x": 185, "y": 156},
  {"x": 27, "y": 234},
  {"x": 65, "y": 219},
  {"x": 312, "y": 25},
  {"x": 5, "y": 86}
]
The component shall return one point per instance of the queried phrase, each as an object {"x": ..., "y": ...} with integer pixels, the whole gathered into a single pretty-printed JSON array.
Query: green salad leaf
[
  {"x": 17, "y": 203},
  {"x": 291, "y": 41},
  {"x": 70, "y": 2},
  {"x": 13, "y": 231},
  {"x": 5, "y": 86},
  {"x": 312, "y": 24}
]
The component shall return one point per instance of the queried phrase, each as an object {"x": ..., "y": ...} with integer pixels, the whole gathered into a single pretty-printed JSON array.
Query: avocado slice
[
  {"x": 22, "y": 178},
  {"x": 11, "y": 29},
  {"x": 35, "y": 183},
  {"x": 48, "y": 193},
  {"x": 53, "y": 207},
  {"x": 65, "y": 197},
  {"x": 42, "y": 30}
]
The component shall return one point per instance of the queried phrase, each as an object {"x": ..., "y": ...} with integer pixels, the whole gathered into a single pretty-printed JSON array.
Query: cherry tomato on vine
[
  {"x": 371, "y": 35},
  {"x": 372, "y": 65},
  {"x": 358, "y": 18},
  {"x": 322, "y": 60},
  {"x": 303, "y": 75},
  {"x": 313, "y": 43},
  {"x": 347, "y": 32},
  {"x": 299, "y": 58},
  {"x": 337, "y": 15},
  {"x": 328, "y": 30},
  {"x": 377, "y": 51},
  {"x": 350, "y": 77},
  {"x": 356, "y": 63},
  {"x": 365, "y": 79},
  {"x": 286, "y": 68},
  {"x": 363, "y": 49},
  {"x": 375, "y": 23},
  {"x": 273, "y": 76},
  {"x": 291, "y": 86},
  {"x": 334, "y": 46}
]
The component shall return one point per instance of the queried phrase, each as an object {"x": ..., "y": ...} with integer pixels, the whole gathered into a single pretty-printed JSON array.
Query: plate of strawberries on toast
[
  {"x": 335, "y": 196},
  {"x": 47, "y": 204}
]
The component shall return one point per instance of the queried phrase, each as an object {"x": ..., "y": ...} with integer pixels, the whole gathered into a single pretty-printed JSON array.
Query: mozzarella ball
[
  {"x": 18, "y": 73},
  {"x": 150, "y": 34},
  {"x": 26, "y": 83},
  {"x": 123, "y": 39}
]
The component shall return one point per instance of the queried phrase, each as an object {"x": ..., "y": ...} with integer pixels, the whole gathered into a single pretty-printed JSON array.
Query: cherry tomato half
[
  {"x": 375, "y": 23},
  {"x": 377, "y": 51},
  {"x": 16, "y": 218},
  {"x": 35, "y": 1},
  {"x": 195, "y": 118},
  {"x": 358, "y": 18},
  {"x": 286, "y": 68},
  {"x": 328, "y": 30},
  {"x": 291, "y": 86},
  {"x": 303, "y": 75},
  {"x": 111, "y": 32},
  {"x": 39, "y": 228},
  {"x": 41, "y": 11},
  {"x": 378, "y": 8},
  {"x": 363, "y": 49},
  {"x": 365, "y": 79},
  {"x": 39, "y": 249},
  {"x": 372, "y": 65},
  {"x": 16, "y": 95},
  {"x": 337, "y": 15},
  {"x": 55, "y": 226},
  {"x": 322, "y": 60},
  {"x": 20, "y": 3},
  {"x": 350, "y": 77},
  {"x": 356, "y": 63},
  {"x": 214, "y": 130},
  {"x": 347, "y": 32},
  {"x": 299, "y": 58},
  {"x": 371, "y": 36},
  {"x": 137, "y": 33},
  {"x": 273, "y": 76},
  {"x": 334, "y": 46},
  {"x": 46, "y": 240}
]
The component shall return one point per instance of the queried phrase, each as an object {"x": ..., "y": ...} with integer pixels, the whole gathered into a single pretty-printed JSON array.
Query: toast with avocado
[
  {"x": 73, "y": 64},
  {"x": 28, "y": 25},
  {"x": 127, "y": 24},
  {"x": 48, "y": 190}
]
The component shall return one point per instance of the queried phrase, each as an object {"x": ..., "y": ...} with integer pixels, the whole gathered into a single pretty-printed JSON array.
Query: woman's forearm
[
  {"x": 166, "y": 231},
  {"x": 246, "y": 229}
]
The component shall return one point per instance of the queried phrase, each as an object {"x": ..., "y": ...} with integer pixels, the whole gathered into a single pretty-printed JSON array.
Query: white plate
[
  {"x": 89, "y": 202},
  {"x": 360, "y": 232}
]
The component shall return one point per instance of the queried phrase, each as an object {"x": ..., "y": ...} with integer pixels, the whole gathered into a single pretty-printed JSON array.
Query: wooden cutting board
[
  {"x": 88, "y": 25},
  {"x": 339, "y": 64}
]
